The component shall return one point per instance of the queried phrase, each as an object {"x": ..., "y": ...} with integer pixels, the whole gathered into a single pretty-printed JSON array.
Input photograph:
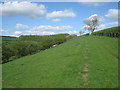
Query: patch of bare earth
[
  {"x": 85, "y": 75},
  {"x": 10, "y": 86},
  {"x": 85, "y": 70}
]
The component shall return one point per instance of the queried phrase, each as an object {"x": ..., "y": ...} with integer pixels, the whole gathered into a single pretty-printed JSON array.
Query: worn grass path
[{"x": 86, "y": 62}]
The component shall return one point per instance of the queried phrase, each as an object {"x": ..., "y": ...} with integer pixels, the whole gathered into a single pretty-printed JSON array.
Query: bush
[
  {"x": 6, "y": 53},
  {"x": 71, "y": 37},
  {"x": 12, "y": 58}
]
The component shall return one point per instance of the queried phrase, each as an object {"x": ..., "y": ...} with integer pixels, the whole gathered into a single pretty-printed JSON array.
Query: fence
[{"x": 111, "y": 34}]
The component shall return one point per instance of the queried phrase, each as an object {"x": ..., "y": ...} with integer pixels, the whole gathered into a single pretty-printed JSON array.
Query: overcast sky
[{"x": 45, "y": 18}]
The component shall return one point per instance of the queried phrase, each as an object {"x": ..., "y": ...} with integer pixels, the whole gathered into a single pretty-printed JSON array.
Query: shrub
[{"x": 71, "y": 37}]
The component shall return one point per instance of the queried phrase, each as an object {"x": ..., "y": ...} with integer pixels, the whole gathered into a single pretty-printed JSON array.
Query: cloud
[
  {"x": 21, "y": 26},
  {"x": 56, "y": 20},
  {"x": 86, "y": 27},
  {"x": 112, "y": 23},
  {"x": 107, "y": 24},
  {"x": 73, "y": 32},
  {"x": 17, "y": 32},
  {"x": 38, "y": 33},
  {"x": 23, "y": 8},
  {"x": 68, "y": 0},
  {"x": 4, "y": 32},
  {"x": 42, "y": 30},
  {"x": 93, "y": 3},
  {"x": 31, "y": 32},
  {"x": 65, "y": 13},
  {"x": 101, "y": 26},
  {"x": 113, "y": 14},
  {"x": 97, "y": 0},
  {"x": 49, "y": 27}
]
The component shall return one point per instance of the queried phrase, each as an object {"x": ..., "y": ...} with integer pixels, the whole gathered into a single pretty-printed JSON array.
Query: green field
[
  {"x": 109, "y": 30},
  {"x": 85, "y": 62}
]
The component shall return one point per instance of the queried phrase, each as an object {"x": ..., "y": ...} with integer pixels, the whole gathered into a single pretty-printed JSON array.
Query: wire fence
[{"x": 111, "y": 34}]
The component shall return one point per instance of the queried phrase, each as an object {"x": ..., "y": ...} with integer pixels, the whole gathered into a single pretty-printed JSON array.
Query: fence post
[
  {"x": 105, "y": 33},
  {"x": 112, "y": 34},
  {"x": 116, "y": 34}
]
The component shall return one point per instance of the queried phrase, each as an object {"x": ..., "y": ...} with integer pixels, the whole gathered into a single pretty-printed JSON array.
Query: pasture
[{"x": 85, "y": 62}]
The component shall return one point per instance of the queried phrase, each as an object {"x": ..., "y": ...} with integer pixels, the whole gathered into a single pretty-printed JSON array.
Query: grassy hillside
[
  {"x": 86, "y": 62},
  {"x": 108, "y": 30},
  {"x": 30, "y": 44},
  {"x": 112, "y": 32}
]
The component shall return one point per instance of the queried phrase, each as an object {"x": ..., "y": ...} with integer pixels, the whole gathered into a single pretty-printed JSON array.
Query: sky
[{"x": 47, "y": 18}]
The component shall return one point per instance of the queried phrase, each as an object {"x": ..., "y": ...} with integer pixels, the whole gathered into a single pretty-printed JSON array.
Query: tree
[
  {"x": 92, "y": 22},
  {"x": 81, "y": 32}
]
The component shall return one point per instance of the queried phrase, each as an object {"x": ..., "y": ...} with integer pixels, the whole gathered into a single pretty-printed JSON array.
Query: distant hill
[{"x": 7, "y": 37}]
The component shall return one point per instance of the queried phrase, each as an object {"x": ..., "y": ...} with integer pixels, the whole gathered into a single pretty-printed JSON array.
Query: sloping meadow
[
  {"x": 13, "y": 48},
  {"x": 85, "y": 62}
]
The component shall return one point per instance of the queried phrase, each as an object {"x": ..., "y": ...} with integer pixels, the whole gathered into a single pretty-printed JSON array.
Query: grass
[
  {"x": 109, "y": 30},
  {"x": 86, "y": 62}
]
